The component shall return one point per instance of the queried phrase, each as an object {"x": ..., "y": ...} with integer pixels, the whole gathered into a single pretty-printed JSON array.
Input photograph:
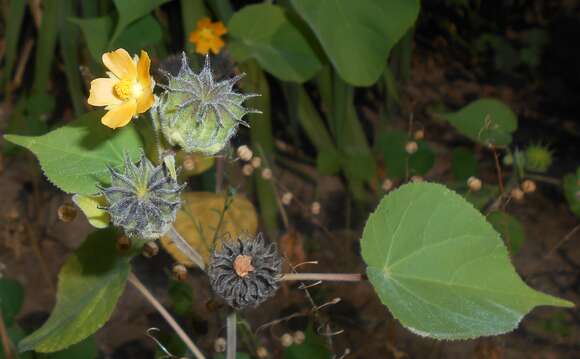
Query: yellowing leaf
[
  {"x": 199, "y": 218},
  {"x": 97, "y": 217}
]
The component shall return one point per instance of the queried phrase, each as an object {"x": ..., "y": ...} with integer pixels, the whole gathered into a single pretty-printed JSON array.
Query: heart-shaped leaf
[
  {"x": 487, "y": 121},
  {"x": 358, "y": 35},
  {"x": 441, "y": 268},
  {"x": 11, "y": 299},
  {"x": 75, "y": 157},
  {"x": 264, "y": 32},
  {"x": 89, "y": 285}
]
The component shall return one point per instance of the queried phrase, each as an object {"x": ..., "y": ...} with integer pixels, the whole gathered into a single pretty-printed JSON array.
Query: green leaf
[
  {"x": 358, "y": 35},
  {"x": 11, "y": 299},
  {"x": 87, "y": 349},
  {"x": 131, "y": 10},
  {"x": 75, "y": 157},
  {"x": 486, "y": 121},
  {"x": 140, "y": 34},
  {"x": 312, "y": 348},
  {"x": 510, "y": 229},
  {"x": 572, "y": 191},
  {"x": 92, "y": 208},
  {"x": 441, "y": 268},
  {"x": 399, "y": 163},
  {"x": 13, "y": 24},
  {"x": 69, "y": 45},
  {"x": 47, "y": 36},
  {"x": 89, "y": 285},
  {"x": 263, "y": 32},
  {"x": 463, "y": 163},
  {"x": 181, "y": 296}
]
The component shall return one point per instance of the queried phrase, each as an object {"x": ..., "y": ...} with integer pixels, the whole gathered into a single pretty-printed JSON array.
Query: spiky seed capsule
[
  {"x": 198, "y": 113},
  {"x": 67, "y": 212},
  {"x": 150, "y": 249},
  {"x": 517, "y": 194},
  {"x": 538, "y": 158},
  {"x": 143, "y": 199},
  {"x": 262, "y": 352},
  {"x": 247, "y": 170},
  {"x": 245, "y": 272},
  {"x": 286, "y": 340},
  {"x": 387, "y": 185},
  {"x": 245, "y": 153},
  {"x": 123, "y": 243},
  {"x": 298, "y": 337},
  {"x": 256, "y": 162},
  {"x": 219, "y": 345}
]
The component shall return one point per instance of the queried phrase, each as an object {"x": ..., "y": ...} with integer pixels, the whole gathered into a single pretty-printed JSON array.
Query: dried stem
[
  {"x": 231, "y": 344},
  {"x": 329, "y": 277},
  {"x": 185, "y": 248},
  {"x": 4, "y": 339},
  {"x": 165, "y": 314}
]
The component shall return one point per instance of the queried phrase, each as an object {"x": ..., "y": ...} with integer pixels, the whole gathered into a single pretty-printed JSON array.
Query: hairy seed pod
[
  {"x": 538, "y": 158},
  {"x": 198, "y": 113},
  {"x": 143, "y": 199},
  {"x": 246, "y": 271}
]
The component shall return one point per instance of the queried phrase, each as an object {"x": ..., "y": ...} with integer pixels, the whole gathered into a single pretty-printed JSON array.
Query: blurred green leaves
[
  {"x": 399, "y": 163},
  {"x": 264, "y": 32},
  {"x": 357, "y": 36}
]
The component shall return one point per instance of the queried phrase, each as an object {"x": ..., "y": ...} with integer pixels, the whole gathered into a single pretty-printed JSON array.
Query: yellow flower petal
[
  {"x": 120, "y": 64},
  {"x": 102, "y": 93},
  {"x": 202, "y": 47},
  {"x": 143, "y": 67},
  {"x": 194, "y": 36},
  {"x": 218, "y": 28},
  {"x": 203, "y": 23},
  {"x": 216, "y": 45},
  {"x": 120, "y": 115},
  {"x": 145, "y": 101}
]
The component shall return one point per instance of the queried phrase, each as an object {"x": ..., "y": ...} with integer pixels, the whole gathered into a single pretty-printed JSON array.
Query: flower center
[
  {"x": 243, "y": 265},
  {"x": 126, "y": 89}
]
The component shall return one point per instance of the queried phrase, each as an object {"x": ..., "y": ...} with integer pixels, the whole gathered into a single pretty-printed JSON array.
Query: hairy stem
[
  {"x": 330, "y": 277},
  {"x": 185, "y": 248},
  {"x": 231, "y": 343},
  {"x": 165, "y": 314}
]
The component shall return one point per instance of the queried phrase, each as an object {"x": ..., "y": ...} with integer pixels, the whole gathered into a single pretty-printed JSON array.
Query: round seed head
[{"x": 245, "y": 272}]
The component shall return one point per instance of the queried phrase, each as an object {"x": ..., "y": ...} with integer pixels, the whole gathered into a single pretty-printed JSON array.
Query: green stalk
[
  {"x": 68, "y": 46},
  {"x": 13, "y": 23},
  {"x": 45, "y": 47}
]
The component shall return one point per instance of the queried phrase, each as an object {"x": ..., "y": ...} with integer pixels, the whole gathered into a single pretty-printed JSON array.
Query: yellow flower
[
  {"x": 206, "y": 36},
  {"x": 127, "y": 92}
]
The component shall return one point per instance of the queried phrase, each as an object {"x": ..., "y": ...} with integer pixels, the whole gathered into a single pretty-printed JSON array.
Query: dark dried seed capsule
[{"x": 245, "y": 272}]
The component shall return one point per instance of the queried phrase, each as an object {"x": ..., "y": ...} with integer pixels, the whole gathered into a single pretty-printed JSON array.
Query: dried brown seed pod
[
  {"x": 67, "y": 212},
  {"x": 528, "y": 186},
  {"x": 245, "y": 272},
  {"x": 179, "y": 272}
]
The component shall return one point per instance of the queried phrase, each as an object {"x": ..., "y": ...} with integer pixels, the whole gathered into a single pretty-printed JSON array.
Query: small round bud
[
  {"x": 286, "y": 340},
  {"x": 123, "y": 243},
  {"x": 411, "y": 147},
  {"x": 247, "y": 170},
  {"x": 219, "y": 345},
  {"x": 474, "y": 184},
  {"x": 287, "y": 198},
  {"x": 267, "y": 174},
  {"x": 528, "y": 186},
  {"x": 315, "y": 208},
  {"x": 245, "y": 153},
  {"x": 256, "y": 162},
  {"x": 298, "y": 337},
  {"x": 417, "y": 179},
  {"x": 387, "y": 185},
  {"x": 150, "y": 249},
  {"x": 517, "y": 194},
  {"x": 262, "y": 352},
  {"x": 179, "y": 272},
  {"x": 419, "y": 134},
  {"x": 67, "y": 212},
  {"x": 188, "y": 163}
]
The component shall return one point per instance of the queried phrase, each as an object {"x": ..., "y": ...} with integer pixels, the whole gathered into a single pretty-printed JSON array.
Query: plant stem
[
  {"x": 185, "y": 248},
  {"x": 331, "y": 277},
  {"x": 5, "y": 340},
  {"x": 231, "y": 344},
  {"x": 165, "y": 314}
]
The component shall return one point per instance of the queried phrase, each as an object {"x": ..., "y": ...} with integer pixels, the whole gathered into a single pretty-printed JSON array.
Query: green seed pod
[
  {"x": 198, "y": 113},
  {"x": 143, "y": 199},
  {"x": 538, "y": 158}
]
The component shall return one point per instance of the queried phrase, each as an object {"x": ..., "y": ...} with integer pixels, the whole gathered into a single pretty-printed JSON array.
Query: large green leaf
[
  {"x": 11, "y": 299},
  {"x": 313, "y": 347},
  {"x": 131, "y": 10},
  {"x": 89, "y": 285},
  {"x": 140, "y": 34},
  {"x": 263, "y": 32},
  {"x": 463, "y": 163},
  {"x": 75, "y": 157},
  {"x": 510, "y": 228},
  {"x": 87, "y": 349},
  {"x": 358, "y": 35},
  {"x": 487, "y": 121},
  {"x": 441, "y": 269},
  {"x": 15, "y": 333}
]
